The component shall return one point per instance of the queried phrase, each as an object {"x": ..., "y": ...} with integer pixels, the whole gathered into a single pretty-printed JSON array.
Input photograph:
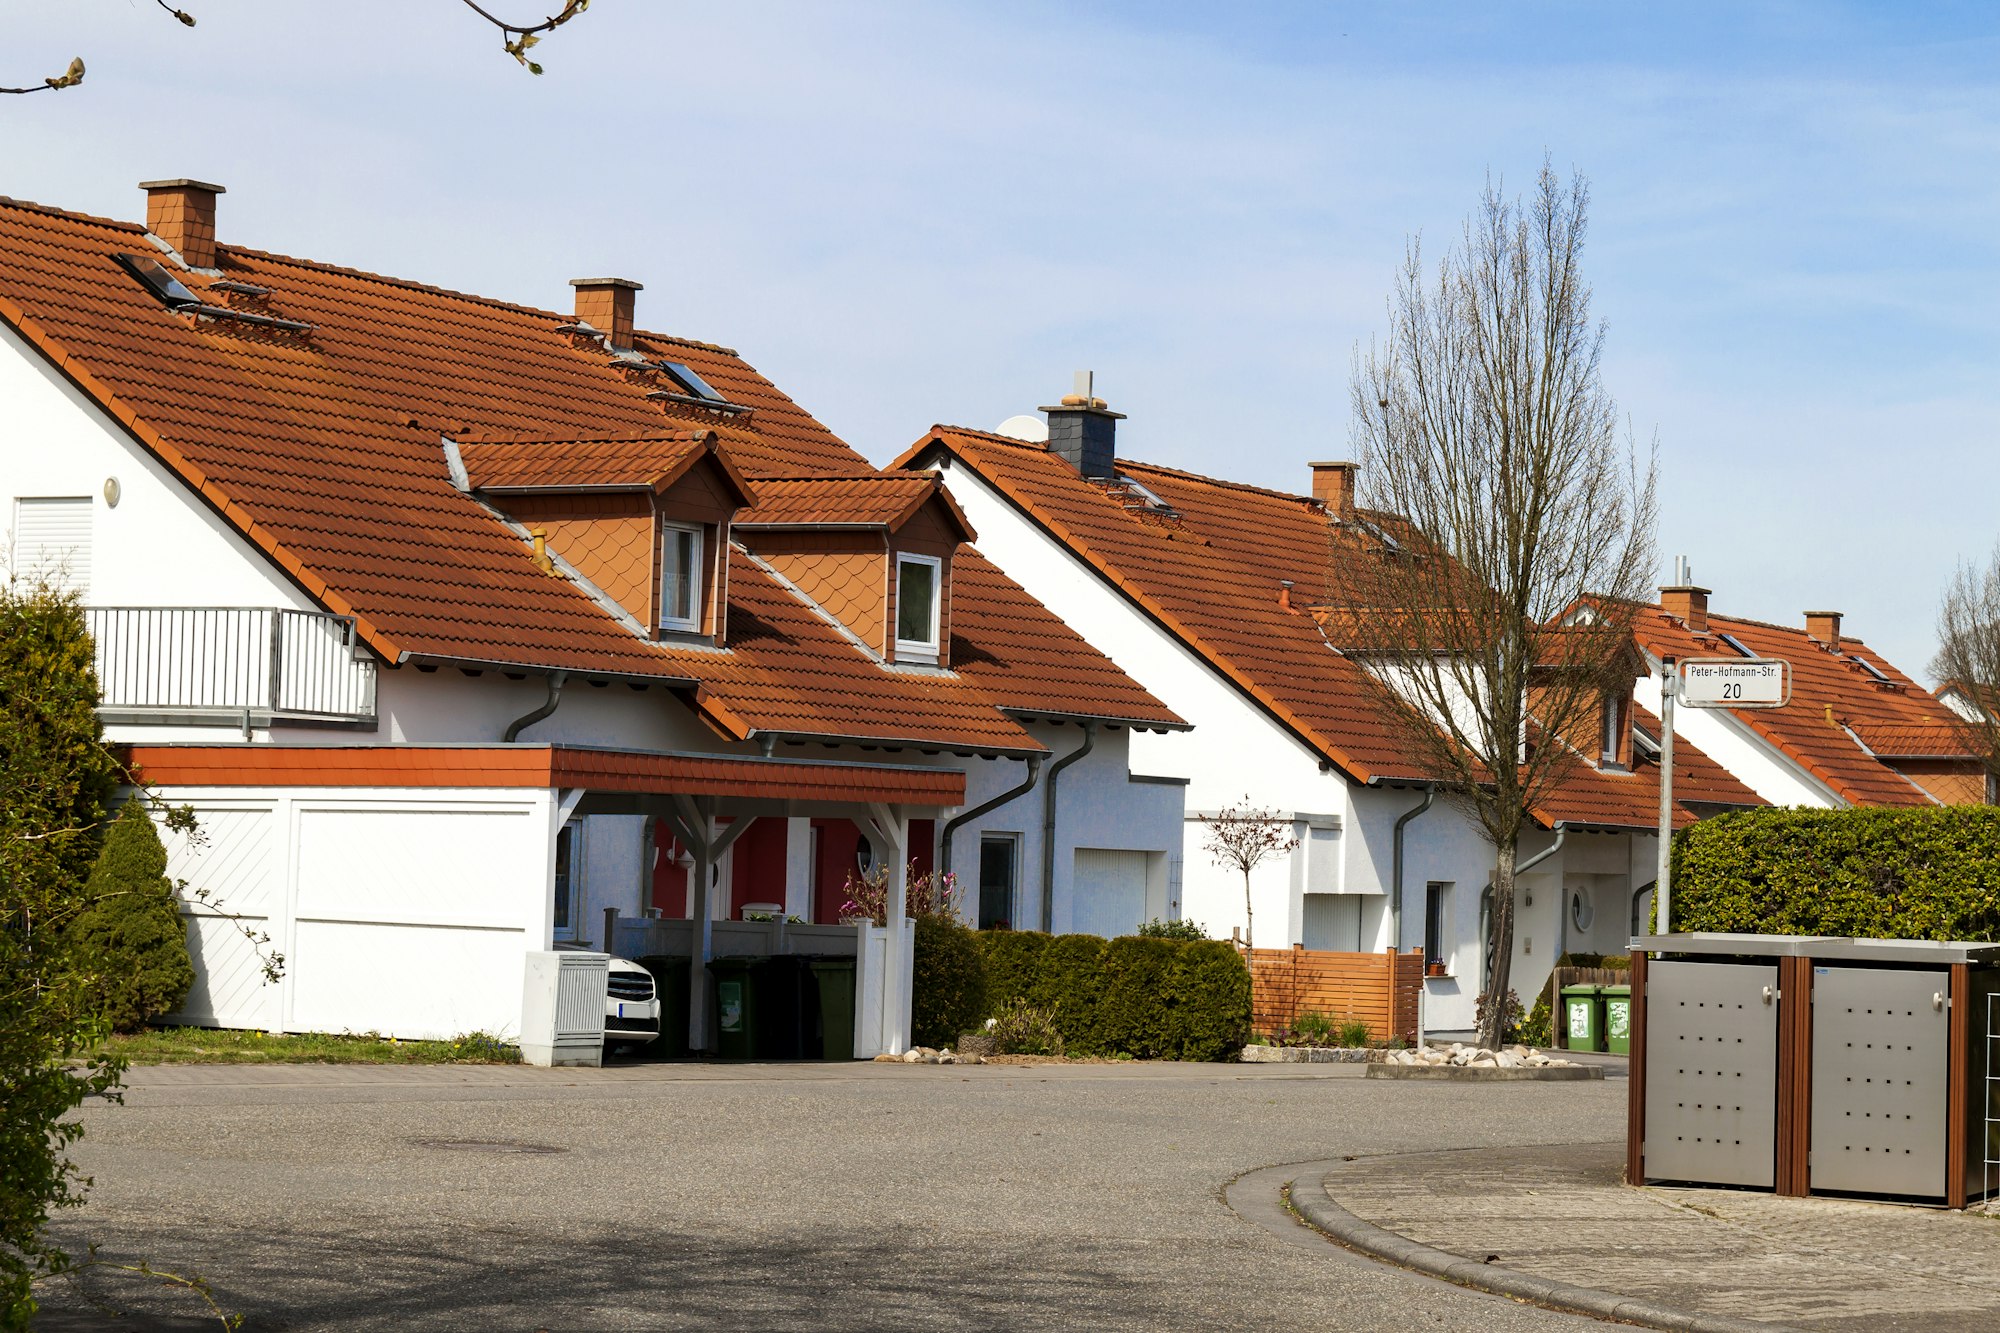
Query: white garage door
[{"x": 1108, "y": 892}]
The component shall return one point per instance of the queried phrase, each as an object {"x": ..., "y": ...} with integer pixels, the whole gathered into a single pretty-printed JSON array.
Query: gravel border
[
  {"x": 1489, "y": 1074},
  {"x": 1324, "y": 1215}
]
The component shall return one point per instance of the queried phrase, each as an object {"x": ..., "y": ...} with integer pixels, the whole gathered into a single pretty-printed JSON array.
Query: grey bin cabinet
[{"x": 1807, "y": 1064}]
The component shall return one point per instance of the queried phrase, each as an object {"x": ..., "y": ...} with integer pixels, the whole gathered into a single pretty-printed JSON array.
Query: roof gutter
[
  {"x": 1049, "y": 824},
  {"x": 1103, "y": 719},
  {"x": 1026, "y": 785},
  {"x": 1396, "y": 862}
]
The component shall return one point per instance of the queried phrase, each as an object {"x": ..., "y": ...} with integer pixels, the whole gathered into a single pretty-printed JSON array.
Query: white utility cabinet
[{"x": 562, "y": 1008}]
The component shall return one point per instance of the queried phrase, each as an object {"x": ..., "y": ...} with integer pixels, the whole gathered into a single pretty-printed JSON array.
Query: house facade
[
  {"x": 471, "y": 629},
  {"x": 1203, "y": 591}
]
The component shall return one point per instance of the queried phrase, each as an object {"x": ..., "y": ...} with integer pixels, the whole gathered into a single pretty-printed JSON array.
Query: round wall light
[{"x": 112, "y": 490}]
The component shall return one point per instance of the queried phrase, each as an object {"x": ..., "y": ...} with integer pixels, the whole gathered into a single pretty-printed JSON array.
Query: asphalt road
[{"x": 768, "y": 1197}]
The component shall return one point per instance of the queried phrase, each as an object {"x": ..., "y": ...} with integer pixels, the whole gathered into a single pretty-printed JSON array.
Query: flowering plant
[{"x": 930, "y": 894}]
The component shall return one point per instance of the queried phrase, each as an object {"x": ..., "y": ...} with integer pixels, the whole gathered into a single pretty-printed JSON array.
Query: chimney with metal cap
[
  {"x": 606, "y": 304},
  {"x": 1333, "y": 486},
  {"x": 1824, "y": 626},
  {"x": 181, "y": 212},
  {"x": 1685, "y": 602},
  {"x": 1083, "y": 431}
]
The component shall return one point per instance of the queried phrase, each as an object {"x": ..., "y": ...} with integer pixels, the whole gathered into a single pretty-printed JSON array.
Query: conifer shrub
[
  {"x": 1209, "y": 990},
  {"x": 1069, "y": 982},
  {"x": 948, "y": 982},
  {"x": 1013, "y": 958},
  {"x": 1923, "y": 874},
  {"x": 1135, "y": 1006},
  {"x": 131, "y": 939}
]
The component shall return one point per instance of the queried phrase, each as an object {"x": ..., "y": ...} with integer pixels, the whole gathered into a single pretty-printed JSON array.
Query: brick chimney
[
  {"x": 1824, "y": 626},
  {"x": 182, "y": 213},
  {"x": 1083, "y": 431},
  {"x": 1333, "y": 486},
  {"x": 606, "y": 304},
  {"x": 1688, "y": 604}
]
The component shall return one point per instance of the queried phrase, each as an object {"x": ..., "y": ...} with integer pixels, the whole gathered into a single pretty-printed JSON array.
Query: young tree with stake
[
  {"x": 1500, "y": 495},
  {"x": 1245, "y": 836}
]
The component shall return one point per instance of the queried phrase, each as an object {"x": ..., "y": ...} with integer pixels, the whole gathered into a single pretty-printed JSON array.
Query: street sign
[{"x": 1735, "y": 682}]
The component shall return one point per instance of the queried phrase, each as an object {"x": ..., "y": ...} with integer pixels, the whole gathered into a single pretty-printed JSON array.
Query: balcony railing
[{"x": 232, "y": 665}]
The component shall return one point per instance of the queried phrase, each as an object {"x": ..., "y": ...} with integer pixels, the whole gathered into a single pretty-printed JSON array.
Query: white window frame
[
  {"x": 930, "y": 649},
  {"x": 572, "y": 884},
  {"x": 691, "y": 623}
]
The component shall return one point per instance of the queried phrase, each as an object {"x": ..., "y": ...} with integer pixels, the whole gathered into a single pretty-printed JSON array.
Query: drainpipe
[
  {"x": 987, "y": 808},
  {"x": 1049, "y": 824},
  {"x": 514, "y": 728},
  {"x": 1396, "y": 872},
  {"x": 1562, "y": 907}
]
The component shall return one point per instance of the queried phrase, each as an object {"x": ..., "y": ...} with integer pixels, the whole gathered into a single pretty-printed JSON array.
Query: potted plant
[{"x": 1435, "y": 969}]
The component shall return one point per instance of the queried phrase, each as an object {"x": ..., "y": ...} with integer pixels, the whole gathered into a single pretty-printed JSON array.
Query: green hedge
[
  {"x": 1145, "y": 997},
  {"x": 947, "y": 983},
  {"x": 1926, "y": 874}
]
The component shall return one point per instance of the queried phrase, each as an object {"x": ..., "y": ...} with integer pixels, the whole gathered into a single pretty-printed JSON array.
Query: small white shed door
[
  {"x": 52, "y": 542},
  {"x": 1332, "y": 921},
  {"x": 1108, "y": 892}
]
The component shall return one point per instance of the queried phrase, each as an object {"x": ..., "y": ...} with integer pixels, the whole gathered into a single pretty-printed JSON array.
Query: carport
[{"x": 692, "y": 791}]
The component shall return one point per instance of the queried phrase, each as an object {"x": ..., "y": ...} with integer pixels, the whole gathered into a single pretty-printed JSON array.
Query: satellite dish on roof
[{"x": 1025, "y": 427}]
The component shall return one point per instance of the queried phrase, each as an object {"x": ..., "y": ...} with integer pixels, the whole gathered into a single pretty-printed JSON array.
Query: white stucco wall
[{"x": 1749, "y": 758}]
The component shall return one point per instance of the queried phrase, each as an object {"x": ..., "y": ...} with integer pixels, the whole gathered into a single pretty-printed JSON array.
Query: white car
[{"x": 631, "y": 1006}]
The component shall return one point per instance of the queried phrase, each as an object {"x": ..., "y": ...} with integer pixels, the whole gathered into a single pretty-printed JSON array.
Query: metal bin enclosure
[
  {"x": 1712, "y": 1073},
  {"x": 1880, "y": 1062}
]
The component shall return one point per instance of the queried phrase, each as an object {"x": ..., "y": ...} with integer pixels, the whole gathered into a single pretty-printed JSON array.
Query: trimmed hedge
[
  {"x": 1145, "y": 997},
  {"x": 947, "y": 983},
  {"x": 1924, "y": 874}
]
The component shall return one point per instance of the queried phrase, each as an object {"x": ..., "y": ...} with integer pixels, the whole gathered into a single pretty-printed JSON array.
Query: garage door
[{"x": 1108, "y": 892}]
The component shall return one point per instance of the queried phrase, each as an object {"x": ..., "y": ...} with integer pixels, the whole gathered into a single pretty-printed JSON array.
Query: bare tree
[
  {"x": 1244, "y": 836},
  {"x": 1501, "y": 497},
  {"x": 517, "y": 39},
  {"x": 1968, "y": 657}
]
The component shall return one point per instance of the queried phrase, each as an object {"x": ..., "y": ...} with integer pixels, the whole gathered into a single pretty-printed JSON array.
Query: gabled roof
[
  {"x": 1204, "y": 558},
  {"x": 1836, "y": 705},
  {"x": 873, "y": 500},
  {"x": 651, "y": 461},
  {"x": 324, "y": 450},
  {"x": 1595, "y": 797}
]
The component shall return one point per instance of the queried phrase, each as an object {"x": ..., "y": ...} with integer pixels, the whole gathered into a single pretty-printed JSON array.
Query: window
[
  {"x": 917, "y": 605},
  {"x": 1614, "y": 713},
  {"x": 680, "y": 578},
  {"x": 52, "y": 542},
  {"x": 569, "y": 879},
  {"x": 1437, "y": 913},
  {"x": 999, "y": 864}
]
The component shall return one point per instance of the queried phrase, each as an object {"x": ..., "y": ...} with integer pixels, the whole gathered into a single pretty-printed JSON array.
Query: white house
[
  {"x": 471, "y": 629},
  {"x": 1201, "y": 589}
]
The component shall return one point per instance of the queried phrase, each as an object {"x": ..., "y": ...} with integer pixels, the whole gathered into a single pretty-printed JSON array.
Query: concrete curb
[
  {"x": 1484, "y": 1074},
  {"x": 1324, "y": 1215}
]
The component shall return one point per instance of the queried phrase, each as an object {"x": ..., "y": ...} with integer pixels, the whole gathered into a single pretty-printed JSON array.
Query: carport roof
[{"x": 641, "y": 772}]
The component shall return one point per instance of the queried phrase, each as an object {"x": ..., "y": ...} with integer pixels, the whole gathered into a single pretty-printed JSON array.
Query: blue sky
[{"x": 929, "y": 212}]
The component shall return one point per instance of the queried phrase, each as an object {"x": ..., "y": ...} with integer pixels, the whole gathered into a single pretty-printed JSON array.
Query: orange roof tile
[
  {"x": 652, "y": 461},
  {"x": 884, "y": 500},
  {"x": 1835, "y": 705},
  {"x": 324, "y": 450},
  {"x": 1593, "y": 796}
]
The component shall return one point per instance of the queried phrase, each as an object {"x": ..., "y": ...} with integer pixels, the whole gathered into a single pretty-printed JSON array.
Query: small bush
[
  {"x": 1022, "y": 1029},
  {"x": 1070, "y": 982},
  {"x": 948, "y": 981},
  {"x": 1312, "y": 1028},
  {"x": 131, "y": 939},
  {"x": 1510, "y": 1022},
  {"x": 1013, "y": 957},
  {"x": 1157, "y": 929},
  {"x": 1209, "y": 991},
  {"x": 1353, "y": 1032}
]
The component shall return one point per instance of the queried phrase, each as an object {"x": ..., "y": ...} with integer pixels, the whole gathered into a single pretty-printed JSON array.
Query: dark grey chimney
[{"x": 1084, "y": 432}]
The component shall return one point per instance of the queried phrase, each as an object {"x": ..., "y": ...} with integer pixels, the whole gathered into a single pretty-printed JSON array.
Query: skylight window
[
  {"x": 156, "y": 278},
  {"x": 1873, "y": 670},
  {"x": 695, "y": 385},
  {"x": 1735, "y": 643}
]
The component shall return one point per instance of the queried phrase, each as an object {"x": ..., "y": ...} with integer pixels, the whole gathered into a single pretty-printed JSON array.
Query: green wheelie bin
[
  {"x": 670, "y": 983},
  {"x": 1618, "y": 1019},
  {"x": 736, "y": 1004},
  {"x": 835, "y": 976},
  {"x": 1583, "y": 1018}
]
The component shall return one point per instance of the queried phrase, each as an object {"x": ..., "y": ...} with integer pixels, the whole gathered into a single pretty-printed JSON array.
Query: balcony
[{"x": 233, "y": 666}]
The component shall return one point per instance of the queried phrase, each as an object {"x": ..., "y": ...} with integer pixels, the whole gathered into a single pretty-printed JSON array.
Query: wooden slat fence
[{"x": 1379, "y": 989}]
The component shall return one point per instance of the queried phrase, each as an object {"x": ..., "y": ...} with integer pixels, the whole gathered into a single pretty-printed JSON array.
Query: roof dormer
[
  {"x": 644, "y": 519},
  {"x": 872, "y": 550}
]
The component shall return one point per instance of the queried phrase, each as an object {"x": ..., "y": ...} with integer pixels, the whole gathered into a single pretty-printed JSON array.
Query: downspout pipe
[
  {"x": 986, "y": 808},
  {"x": 1049, "y": 824},
  {"x": 1562, "y": 908},
  {"x": 1396, "y": 870},
  {"x": 526, "y": 720}
]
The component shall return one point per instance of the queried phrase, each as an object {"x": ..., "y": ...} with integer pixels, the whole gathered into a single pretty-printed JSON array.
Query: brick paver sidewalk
[{"x": 1564, "y": 1214}]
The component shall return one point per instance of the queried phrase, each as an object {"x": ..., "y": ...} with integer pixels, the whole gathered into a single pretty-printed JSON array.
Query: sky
[{"x": 917, "y": 213}]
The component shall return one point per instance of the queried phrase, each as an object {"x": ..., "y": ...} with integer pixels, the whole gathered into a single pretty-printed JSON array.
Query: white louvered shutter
[{"x": 52, "y": 542}]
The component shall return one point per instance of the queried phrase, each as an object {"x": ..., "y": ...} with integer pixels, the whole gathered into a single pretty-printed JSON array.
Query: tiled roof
[
  {"x": 1830, "y": 694},
  {"x": 861, "y": 500},
  {"x": 324, "y": 450},
  {"x": 654, "y": 460},
  {"x": 1606, "y": 798}
]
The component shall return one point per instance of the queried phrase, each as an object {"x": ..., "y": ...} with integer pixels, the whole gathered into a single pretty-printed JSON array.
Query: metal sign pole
[{"x": 1662, "y": 890}]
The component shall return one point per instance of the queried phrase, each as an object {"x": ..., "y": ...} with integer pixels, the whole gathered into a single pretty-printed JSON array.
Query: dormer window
[
  {"x": 680, "y": 578},
  {"x": 917, "y": 606}
]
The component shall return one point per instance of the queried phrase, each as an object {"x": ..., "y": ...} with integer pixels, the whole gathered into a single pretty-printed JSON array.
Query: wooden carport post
[{"x": 693, "y": 818}]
